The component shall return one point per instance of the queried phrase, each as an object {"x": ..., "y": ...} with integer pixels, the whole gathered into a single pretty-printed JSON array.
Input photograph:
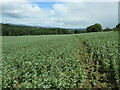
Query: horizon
[
  {"x": 61, "y": 14},
  {"x": 43, "y": 26}
]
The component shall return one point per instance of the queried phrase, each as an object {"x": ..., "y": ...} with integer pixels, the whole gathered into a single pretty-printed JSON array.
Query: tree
[
  {"x": 107, "y": 29},
  {"x": 18, "y": 30},
  {"x": 118, "y": 26},
  {"x": 95, "y": 28},
  {"x": 76, "y": 31}
]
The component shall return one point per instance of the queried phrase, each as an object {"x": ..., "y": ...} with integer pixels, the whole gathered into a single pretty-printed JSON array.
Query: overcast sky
[{"x": 61, "y": 14}]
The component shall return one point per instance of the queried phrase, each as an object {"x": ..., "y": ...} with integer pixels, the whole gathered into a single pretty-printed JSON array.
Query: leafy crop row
[
  {"x": 42, "y": 62},
  {"x": 104, "y": 47},
  {"x": 54, "y": 61}
]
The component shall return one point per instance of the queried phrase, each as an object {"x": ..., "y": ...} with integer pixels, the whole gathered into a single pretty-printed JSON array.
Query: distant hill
[
  {"x": 81, "y": 29},
  {"x": 18, "y": 30}
]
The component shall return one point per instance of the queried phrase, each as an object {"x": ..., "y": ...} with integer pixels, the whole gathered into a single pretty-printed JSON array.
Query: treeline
[
  {"x": 98, "y": 28},
  {"x": 117, "y": 28},
  {"x": 18, "y": 30}
]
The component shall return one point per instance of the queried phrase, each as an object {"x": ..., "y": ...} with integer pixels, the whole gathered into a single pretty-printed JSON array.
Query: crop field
[{"x": 61, "y": 61}]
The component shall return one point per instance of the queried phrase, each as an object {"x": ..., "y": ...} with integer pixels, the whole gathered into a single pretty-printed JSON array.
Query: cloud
[
  {"x": 88, "y": 13},
  {"x": 7, "y": 1},
  {"x": 61, "y": 0},
  {"x": 67, "y": 14},
  {"x": 24, "y": 13}
]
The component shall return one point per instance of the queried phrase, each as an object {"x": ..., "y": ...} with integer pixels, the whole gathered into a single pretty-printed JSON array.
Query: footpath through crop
[{"x": 94, "y": 75}]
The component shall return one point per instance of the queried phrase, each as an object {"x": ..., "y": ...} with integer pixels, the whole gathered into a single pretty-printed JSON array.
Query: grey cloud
[
  {"x": 62, "y": 14},
  {"x": 11, "y": 15}
]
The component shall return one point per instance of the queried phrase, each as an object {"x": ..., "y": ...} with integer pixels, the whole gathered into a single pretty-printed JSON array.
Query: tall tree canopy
[
  {"x": 118, "y": 26},
  {"x": 95, "y": 28}
]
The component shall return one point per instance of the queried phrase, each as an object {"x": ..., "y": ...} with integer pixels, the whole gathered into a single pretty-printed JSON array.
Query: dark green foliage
[
  {"x": 78, "y": 31},
  {"x": 18, "y": 30},
  {"x": 94, "y": 28},
  {"x": 118, "y": 26},
  {"x": 107, "y": 29},
  {"x": 116, "y": 29}
]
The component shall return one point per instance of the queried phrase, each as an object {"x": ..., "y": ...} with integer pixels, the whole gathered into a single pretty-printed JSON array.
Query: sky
[{"x": 60, "y": 14}]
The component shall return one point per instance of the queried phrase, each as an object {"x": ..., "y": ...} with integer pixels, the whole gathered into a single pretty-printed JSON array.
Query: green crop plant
[{"x": 58, "y": 61}]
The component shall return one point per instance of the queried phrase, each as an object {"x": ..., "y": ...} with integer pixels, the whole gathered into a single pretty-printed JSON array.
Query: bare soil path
[{"x": 93, "y": 77}]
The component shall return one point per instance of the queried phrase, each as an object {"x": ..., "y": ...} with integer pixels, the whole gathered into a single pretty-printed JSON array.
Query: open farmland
[{"x": 61, "y": 61}]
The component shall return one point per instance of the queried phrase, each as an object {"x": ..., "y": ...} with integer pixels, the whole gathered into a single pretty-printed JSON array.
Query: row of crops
[
  {"x": 56, "y": 61},
  {"x": 104, "y": 49},
  {"x": 0, "y": 62},
  {"x": 42, "y": 62}
]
